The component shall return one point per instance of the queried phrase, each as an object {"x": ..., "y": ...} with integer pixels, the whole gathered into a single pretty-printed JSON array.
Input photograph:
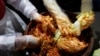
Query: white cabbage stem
[
  {"x": 86, "y": 5},
  {"x": 85, "y": 18}
]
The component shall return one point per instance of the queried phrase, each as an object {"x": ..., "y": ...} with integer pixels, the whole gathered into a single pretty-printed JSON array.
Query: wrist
[
  {"x": 35, "y": 15},
  {"x": 20, "y": 43}
]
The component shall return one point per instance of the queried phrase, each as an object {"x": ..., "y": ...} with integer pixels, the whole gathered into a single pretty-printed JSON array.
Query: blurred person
[{"x": 12, "y": 26}]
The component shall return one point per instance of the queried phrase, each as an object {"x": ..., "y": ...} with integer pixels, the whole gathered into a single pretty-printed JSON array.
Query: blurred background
[{"x": 73, "y": 6}]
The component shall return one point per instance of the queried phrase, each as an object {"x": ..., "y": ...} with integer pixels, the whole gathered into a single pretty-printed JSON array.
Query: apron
[{"x": 11, "y": 24}]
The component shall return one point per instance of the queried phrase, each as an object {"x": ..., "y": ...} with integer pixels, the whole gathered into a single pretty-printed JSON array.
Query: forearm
[
  {"x": 13, "y": 42},
  {"x": 24, "y": 6},
  {"x": 7, "y": 42}
]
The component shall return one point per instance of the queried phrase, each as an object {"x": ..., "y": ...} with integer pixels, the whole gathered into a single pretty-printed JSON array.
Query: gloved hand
[
  {"x": 36, "y": 16},
  {"x": 26, "y": 41}
]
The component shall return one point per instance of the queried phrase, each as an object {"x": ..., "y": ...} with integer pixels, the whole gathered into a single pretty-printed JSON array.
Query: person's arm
[
  {"x": 26, "y": 7},
  {"x": 7, "y": 42},
  {"x": 12, "y": 43}
]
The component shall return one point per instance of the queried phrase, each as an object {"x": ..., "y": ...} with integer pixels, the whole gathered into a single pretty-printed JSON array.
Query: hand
[
  {"x": 36, "y": 16},
  {"x": 26, "y": 41},
  {"x": 32, "y": 41},
  {"x": 40, "y": 18}
]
